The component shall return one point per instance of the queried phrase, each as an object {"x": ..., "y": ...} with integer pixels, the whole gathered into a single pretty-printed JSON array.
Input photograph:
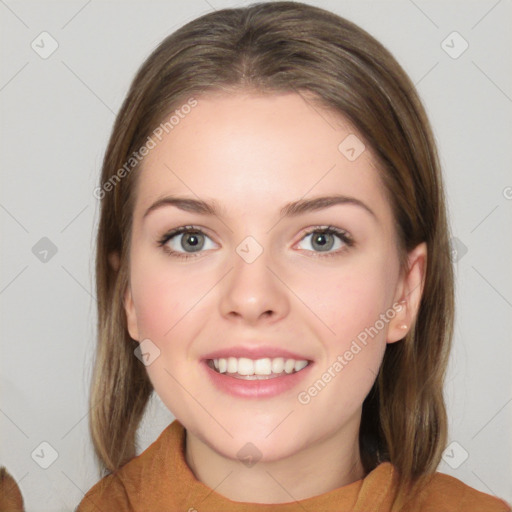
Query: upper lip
[{"x": 259, "y": 352}]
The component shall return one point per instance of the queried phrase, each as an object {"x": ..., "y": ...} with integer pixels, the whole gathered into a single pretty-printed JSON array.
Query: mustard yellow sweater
[{"x": 159, "y": 480}]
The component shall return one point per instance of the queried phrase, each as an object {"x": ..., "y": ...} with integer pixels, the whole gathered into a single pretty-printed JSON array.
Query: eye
[
  {"x": 324, "y": 239},
  {"x": 189, "y": 241},
  {"x": 185, "y": 242}
]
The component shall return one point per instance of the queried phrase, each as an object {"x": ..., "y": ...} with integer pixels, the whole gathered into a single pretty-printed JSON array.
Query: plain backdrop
[{"x": 56, "y": 117}]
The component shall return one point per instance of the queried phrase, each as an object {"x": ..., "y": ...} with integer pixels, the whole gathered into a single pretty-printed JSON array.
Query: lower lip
[{"x": 264, "y": 388}]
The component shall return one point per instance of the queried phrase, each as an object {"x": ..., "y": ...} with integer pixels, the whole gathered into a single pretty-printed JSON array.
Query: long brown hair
[{"x": 288, "y": 47}]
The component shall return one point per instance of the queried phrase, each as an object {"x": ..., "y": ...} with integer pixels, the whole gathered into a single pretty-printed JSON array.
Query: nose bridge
[{"x": 251, "y": 289}]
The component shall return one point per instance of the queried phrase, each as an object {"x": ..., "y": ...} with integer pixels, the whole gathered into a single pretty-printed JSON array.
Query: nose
[{"x": 252, "y": 292}]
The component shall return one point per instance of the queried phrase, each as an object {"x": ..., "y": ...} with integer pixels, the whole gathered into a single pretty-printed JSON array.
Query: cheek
[
  {"x": 161, "y": 298},
  {"x": 349, "y": 299},
  {"x": 165, "y": 303},
  {"x": 353, "y": 347},
  {"x": 350, "y": 302}
]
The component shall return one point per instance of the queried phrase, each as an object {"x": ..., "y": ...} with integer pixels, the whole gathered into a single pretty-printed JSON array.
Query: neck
[{"x": 321, "y": 467}]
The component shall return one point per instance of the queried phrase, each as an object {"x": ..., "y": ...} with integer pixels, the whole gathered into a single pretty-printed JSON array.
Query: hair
[{"x": 289, "y": 47}]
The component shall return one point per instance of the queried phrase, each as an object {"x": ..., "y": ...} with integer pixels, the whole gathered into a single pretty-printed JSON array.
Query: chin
[{"x": 262, "y": 442}]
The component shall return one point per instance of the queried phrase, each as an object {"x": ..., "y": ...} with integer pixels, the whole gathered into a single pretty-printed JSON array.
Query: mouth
[{"x": 265, "y": 368}]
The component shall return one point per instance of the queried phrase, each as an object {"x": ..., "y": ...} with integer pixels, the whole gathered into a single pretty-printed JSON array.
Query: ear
[
  {"x": 129, "y": 307},
  {"x": 409, "y": 293},
  {"x": 131, "y": 315}
]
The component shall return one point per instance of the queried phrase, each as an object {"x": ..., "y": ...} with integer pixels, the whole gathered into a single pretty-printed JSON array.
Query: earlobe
[
  {"x": 113, "y": 259},
  {"x": 410, "y": 292},
  {"x": 131, "y": 316}
]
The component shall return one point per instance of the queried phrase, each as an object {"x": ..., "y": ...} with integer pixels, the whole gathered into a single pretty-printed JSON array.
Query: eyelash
[{"x": 330, "y": 230}]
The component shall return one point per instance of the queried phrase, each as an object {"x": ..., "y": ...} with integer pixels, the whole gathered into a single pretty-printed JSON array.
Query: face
[{"x": 259, "y": 281}]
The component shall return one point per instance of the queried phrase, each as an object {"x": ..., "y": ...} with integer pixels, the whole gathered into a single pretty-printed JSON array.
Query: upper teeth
[{"x": 265, "y": 366}]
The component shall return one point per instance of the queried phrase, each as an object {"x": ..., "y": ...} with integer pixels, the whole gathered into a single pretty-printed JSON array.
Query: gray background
[{"x": 57, "y": 114}]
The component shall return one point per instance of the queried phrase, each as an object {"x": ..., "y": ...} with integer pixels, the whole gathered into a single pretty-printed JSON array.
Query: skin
[{"x": 252, "y": 154}]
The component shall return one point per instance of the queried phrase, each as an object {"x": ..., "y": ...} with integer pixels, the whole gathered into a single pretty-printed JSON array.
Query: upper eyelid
[{"x": 183, "y": 230}]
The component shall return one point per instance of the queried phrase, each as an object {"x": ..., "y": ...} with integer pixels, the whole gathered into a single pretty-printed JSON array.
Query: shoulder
[
  {"x": 120, "y": 491},
  {"x": 447, "y": 493},
  {"x": 108, "y": 492}
]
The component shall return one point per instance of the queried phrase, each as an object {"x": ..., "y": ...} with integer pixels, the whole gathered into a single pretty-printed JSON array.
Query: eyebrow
[{"x": 292, "y": 209}]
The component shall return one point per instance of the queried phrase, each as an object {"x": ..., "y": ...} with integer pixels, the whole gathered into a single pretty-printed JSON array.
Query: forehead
[{"x": 253, "y": 151}]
